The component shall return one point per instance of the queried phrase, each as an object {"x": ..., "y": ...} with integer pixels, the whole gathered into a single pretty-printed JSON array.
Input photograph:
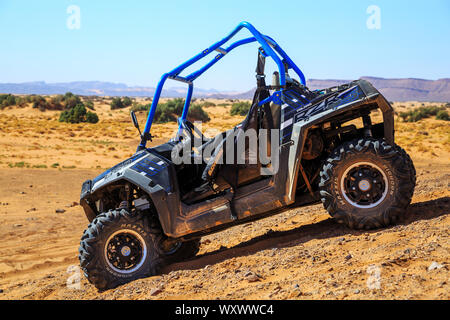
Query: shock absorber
[
  {"x": 367, "y": 122},
  {"x": 125, "y": 203}
]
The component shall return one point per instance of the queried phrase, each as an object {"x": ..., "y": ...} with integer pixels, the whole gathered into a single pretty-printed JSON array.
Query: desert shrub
[
  {"x": 443, "y": 115},
  {"x": 174, "y": 105},
  {"x": 169, "y": 111},
  {"x": 404, "y": 116},
  {"x": 91, "y": 117},
  {"x": 208, "y": 104},
  {"x": 40, "y": 103},
  {"x": 71, "y": 100},
  {"x": 67, "y": 101},
  {"x": 420, "y": 113},
  {"x": 7, "y": 100},
  {"x": 240, "y": 108},
  {"x": 140, "y": 107},
  {"x": 89, "y": 104},
  {"x": 30, "y": 98},
  {"x": 78, "y": 114},
  {"x": 117, "y": 103},
  {"x": 127, "y": 101},
  {"x": 164, "y": 114},
  {"x": 196, "y": 113}
]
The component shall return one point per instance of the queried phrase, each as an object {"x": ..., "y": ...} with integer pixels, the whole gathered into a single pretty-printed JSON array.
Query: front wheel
[
  {"x": 116, "y": 248},
  {"x": 367, "y": 183}
]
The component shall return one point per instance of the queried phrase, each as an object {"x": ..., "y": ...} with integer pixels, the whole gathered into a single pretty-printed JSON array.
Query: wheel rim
[
  {"x": 364, "y": 185},
  {"x": 125, "y": 251}
]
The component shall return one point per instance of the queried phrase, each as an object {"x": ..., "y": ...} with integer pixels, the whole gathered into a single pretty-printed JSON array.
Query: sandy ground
[{"x": 299, "y": 254}]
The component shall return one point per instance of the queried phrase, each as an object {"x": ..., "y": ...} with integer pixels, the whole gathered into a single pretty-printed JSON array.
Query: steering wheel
[{"x": 189, "y": 127}]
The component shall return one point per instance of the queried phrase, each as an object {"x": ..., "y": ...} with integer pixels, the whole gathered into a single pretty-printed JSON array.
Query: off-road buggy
[{"x": 151, "y": 210}]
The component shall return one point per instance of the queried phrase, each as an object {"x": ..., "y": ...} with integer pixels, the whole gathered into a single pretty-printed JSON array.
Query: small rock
[
  {"x": 434, "y": 265},
  {"x": 296, "y": 286},
  {"x": 1, "y": 290},
  {"x": 252, "y": 278},
  {"x": 73, "y": 204},
  {"x": 348, "y": 257},
  {"x": 356, "y": 291},
  {"x": 207, "y": 241},
  {"x": 60, "y": 210},
  {"x": 32, "y": 209},
  {"x": 155, "y": 291},
  {"x": 22, "y": 192},
  {"x": 17, "y": 225}
]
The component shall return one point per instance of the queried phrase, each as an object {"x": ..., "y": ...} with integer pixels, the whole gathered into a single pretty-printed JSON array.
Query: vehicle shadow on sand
[{"x": 321, "y": 230}]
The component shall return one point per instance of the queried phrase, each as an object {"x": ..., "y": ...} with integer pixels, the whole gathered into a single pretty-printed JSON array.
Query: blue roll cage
[{"x": 268, "y": 45}]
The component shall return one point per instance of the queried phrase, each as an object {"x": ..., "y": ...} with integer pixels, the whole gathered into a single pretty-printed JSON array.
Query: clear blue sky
[{"x": 134, "y": 42}]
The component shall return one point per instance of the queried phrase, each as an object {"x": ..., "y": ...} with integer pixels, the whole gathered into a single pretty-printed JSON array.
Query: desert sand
[{"x": 299, "y": 254}]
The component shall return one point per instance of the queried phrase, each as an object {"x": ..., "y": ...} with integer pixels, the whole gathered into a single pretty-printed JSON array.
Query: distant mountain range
[{"x": 407, "y": 89}]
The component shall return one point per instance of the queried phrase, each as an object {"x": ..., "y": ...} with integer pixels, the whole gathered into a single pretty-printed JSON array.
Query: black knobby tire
[
  {"x": 93, "y": 251},
  {"x": 388, "y": 195}
]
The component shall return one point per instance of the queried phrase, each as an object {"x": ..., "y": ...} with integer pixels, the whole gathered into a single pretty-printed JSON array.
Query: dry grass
[{"x": 37, "y": 138}]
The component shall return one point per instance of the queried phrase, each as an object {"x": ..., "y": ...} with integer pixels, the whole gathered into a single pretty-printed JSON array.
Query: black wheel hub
[
  {"x": 124, "y": 251},
  {"x": 364, "y": 185}
]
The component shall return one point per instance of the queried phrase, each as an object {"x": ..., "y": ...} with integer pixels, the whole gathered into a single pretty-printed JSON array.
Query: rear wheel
[{"x": 367, "y": 183}]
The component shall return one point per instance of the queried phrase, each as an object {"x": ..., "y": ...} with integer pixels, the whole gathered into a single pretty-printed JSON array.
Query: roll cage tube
[{"x": 268, "y": 46}]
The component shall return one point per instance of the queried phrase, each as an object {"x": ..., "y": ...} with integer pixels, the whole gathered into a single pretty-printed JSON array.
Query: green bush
[
  {"x": 196, "y": 113},
  {"x": 7, "y": 100},
  {"x": 117, "y": 103},
  {"x": 40, "y": 103},
  {"x": 208, "y": 104},
  {"x": 443, "y": 115},
  {"x": 240, "y": 108},
  {"x": 420, "y": 113},
  {"x": 89, "y": 104},
  {"x": 78, "y": 114},
  {"x": 127, "y": 101},
  {"x": 71, "y": 100},
  {"x": 169, "y": 111},
  {"x": 140, "y": 107},
  {"x": 91, "y": 117}
]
